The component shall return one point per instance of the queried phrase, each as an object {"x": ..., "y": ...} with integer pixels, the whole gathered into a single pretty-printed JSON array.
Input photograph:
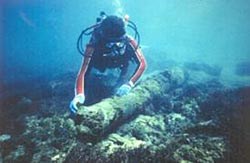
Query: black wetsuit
[{"x": 99, "y": 84}]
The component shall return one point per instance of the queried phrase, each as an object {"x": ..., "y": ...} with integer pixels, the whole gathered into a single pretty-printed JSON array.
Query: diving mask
[{"x": 117, "y": 48}]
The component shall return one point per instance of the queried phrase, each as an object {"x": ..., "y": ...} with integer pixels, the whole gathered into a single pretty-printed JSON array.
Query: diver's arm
[
  {"x": 125, "y": 88},
  {"x": 79, "y": 85},
  {"x": 141, "y": 60}
]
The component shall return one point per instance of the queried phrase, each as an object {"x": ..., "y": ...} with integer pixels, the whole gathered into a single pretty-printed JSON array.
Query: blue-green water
[
  {"x": 38, "y": 42},
  {"x": 38, "y": 38}
]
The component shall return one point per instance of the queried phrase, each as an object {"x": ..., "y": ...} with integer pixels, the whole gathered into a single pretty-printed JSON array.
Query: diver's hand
[
  {"x": 80, "y": 98},
  {"x": 123, "y": 90}
]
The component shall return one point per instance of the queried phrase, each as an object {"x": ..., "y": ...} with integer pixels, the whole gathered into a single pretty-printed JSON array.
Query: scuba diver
[{"x": 106, "y": 65}]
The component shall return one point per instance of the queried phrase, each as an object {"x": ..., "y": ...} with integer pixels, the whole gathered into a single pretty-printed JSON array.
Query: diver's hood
[
  {"x": 113, "y": 29},
  {"x": 108, "y": 29}
]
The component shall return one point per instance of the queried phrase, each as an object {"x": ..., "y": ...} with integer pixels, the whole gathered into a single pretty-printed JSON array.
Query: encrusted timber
[{"x": 100, "y": 119}]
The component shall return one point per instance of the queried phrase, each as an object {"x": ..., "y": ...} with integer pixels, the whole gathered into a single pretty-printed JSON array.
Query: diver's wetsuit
[{"x": 93, "y": 78}]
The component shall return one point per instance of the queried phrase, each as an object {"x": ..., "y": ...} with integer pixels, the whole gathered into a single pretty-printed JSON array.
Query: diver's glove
[
  {"x": 123, "y": 90},
  {"x": 80, "y": 98}
]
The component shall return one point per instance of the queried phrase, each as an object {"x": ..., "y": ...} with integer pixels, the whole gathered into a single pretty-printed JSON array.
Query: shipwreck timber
[{"x": 100, "y": 119}]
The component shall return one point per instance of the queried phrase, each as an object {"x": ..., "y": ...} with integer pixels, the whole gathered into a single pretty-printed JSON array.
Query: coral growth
[{"x": 168, "y": 117}]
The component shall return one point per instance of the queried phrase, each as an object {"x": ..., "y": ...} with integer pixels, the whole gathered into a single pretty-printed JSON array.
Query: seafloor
[{"x": 180, "y": 114}]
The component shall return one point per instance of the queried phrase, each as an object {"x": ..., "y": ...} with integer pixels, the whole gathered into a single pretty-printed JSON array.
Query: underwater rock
[
  {"x": 230, "y": 109},
  {"x": 44, "y": 140},
  {"x": 176, "y": 122},
  {"x": 25, "y": 101},
  {"x": 188, "y": 109},
  {"x": 208, "y": 69},
  {"x": 243, "y": 68},
  {"x": 144, "y": 126},
  {"x": 4, "y": 137},
  {"x": 16, "y": 155},
  {"x": 12, "y": 113},
  {"x": 203, "y": 81},
  {"x": 201, "y": 149},
  {"x": 178, "y": 76},
  {"x": 116, "y": 142},
  {"x": 107, "y": 115},
  {"x": 164, "y": 119}
]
